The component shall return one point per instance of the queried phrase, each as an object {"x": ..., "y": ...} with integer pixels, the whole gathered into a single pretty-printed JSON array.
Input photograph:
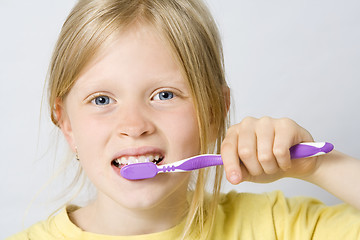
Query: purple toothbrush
[{"x": 146, "y": 170}]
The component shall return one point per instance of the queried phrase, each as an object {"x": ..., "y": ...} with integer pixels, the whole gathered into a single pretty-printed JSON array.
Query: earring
[{"x": 76, "y": 154}]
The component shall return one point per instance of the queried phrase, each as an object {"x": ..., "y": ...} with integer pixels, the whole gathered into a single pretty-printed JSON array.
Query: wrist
[
  {"x": 336, "y": 173},
  {"x": 315, "y": 174}
]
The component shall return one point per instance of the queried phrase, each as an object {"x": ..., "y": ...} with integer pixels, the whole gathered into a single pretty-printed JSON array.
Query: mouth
[{"x": 127, "y": 160}]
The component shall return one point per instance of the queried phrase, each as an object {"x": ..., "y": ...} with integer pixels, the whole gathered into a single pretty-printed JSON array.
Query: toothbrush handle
[
  {"x": 310, "y": 149},
  {"x": 196, "y": 162},
  {"x": 301, "y": 150}
]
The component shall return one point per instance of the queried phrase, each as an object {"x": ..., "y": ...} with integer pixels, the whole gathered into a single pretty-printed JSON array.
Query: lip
[{"x": 137, "y": 151}]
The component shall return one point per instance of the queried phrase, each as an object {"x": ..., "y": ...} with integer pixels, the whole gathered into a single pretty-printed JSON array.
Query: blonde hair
[{"x": 193, "y": 37}]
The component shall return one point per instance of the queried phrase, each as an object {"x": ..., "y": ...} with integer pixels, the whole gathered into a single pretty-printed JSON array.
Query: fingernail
[{"x": 234, "y": 178}]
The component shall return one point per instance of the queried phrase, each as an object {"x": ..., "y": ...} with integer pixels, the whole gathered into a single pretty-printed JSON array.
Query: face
[{"x": 132, "y": 103}]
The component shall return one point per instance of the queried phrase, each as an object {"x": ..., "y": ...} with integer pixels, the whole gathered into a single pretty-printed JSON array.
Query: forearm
[{"x": 339, "y": 174}]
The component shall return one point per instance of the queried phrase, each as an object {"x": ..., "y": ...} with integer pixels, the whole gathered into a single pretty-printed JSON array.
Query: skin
[
  {"x": 263, "y": 147},
  {"x": 130, "y": 73}
]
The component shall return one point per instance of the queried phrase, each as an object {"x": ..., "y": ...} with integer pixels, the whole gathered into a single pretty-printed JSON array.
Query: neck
[{"x": 104, "y": 216}]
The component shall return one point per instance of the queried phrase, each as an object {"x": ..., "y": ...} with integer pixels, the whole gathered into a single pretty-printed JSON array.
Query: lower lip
[{"x": 116, "y": 169}]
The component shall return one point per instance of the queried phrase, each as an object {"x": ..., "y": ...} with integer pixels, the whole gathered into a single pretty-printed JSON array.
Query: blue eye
[
  {"x": 101, "y": 100},
  {"x": 165, "y": 95}
]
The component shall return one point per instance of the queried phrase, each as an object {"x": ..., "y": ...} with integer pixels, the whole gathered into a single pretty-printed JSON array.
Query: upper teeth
[{"x": 137, "y": 159}]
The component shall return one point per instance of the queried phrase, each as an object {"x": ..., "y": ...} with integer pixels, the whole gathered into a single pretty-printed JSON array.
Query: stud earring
[{"x": 76, "y": 154}]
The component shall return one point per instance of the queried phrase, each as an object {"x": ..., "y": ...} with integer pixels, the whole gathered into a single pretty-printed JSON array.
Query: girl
[{"x": 132, "y": 80}]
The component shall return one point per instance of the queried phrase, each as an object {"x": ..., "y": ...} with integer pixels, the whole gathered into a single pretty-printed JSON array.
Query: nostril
[
  {"x": 138, "y": 130},
  {"x": 133, "y": 134},
  {"x": 133, "y": 120}
]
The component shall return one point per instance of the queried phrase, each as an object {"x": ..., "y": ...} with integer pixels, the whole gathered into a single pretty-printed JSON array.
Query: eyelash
[
  {"x": 157, "y": 96},
  {"x": 95, "y": 97}
]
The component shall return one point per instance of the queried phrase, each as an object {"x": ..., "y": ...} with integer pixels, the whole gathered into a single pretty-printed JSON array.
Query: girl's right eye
[{"x": 101, "y": 100}]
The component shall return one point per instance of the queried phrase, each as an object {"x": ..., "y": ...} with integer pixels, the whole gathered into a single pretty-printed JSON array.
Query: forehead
[{"x": 138, "y": 51}]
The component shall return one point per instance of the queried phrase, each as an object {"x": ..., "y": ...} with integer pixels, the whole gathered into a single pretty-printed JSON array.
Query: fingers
[
  {"x": 247, "y": 153},
  {"x": 230, "y": 158},
  {"x": 282, "y": 142},
  {"x": 265, "y": 133},
  {"x": 256, "y": 148}
]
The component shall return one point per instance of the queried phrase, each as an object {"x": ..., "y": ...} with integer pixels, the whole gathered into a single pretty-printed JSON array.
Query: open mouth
[{"x": 123, "y": 161}]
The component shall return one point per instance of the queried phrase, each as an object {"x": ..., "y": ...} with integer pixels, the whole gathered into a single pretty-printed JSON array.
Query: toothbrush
[{"x": 146, "y": 170}]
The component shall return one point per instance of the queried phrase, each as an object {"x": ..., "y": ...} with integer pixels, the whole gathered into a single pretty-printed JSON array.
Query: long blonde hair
[{"x": 193, "y": 37}]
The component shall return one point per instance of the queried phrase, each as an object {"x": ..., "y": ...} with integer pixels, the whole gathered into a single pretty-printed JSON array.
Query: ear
[
  {"x": 64, "y": 123},
  {"x": 226, "y": 94}
]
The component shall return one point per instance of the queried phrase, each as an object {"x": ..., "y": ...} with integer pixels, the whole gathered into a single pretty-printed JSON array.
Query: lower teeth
[{"x": 119, "y": 165}]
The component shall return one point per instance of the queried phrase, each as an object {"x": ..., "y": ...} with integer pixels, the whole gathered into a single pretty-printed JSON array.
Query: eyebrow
[{"x": 176, "y": 76}]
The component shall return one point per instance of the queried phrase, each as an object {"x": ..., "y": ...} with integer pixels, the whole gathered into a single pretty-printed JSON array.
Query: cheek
[
  {"x": 183, "y": 131},
  {"x": 90, "y": 136}
]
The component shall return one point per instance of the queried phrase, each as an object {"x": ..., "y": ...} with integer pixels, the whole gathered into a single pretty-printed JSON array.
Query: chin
[{"x": 162, "y": 191}]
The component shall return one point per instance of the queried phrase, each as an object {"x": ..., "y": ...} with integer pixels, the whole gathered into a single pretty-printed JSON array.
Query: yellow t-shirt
[{"x": 239, "y": 216}]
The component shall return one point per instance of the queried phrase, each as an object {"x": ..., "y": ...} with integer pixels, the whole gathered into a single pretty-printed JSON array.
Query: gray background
[{"x": 297, "y": 59}]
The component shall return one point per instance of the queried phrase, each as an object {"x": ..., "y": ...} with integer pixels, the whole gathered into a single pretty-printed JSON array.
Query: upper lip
[{"x": 138, "y": 151}]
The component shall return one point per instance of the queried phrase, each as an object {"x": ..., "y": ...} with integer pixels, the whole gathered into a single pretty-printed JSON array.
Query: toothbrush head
[{"x": 138, "y": 171}]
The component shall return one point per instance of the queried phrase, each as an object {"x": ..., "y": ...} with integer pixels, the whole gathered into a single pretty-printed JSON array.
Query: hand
[{"x": 257, "y": 150}]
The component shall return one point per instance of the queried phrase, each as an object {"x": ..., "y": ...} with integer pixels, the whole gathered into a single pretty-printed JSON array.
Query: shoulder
[
  {"x": 275, "y": 200},
  {"x": 19, "y": 236},
  {"x": 55, "y": 227},
  {"x": 250, "y": 201},
  {"x": 288, "y": 218},
  {"x": 278, "y": 205},
  {"x": 244, "y": 207},
  {"x": 247, "y": 206},
  {"x": 240, "y": 215},
  {"x": 36, "y": 231}
]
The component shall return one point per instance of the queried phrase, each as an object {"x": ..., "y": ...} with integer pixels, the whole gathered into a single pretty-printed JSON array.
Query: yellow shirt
[{"x": 239, "y": 216}]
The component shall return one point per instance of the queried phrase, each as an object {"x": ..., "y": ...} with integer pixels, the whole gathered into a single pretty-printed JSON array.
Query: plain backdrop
[{"x": 296, "y": 59}]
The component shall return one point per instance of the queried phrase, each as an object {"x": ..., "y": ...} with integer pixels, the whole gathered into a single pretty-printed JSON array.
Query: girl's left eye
[
  {"x": 101, "y": 100},
  {"x": 165, "y": 95}
]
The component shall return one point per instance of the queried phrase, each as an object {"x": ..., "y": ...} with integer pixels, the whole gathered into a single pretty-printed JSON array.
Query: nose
[{"x": 134, "y": 122}]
